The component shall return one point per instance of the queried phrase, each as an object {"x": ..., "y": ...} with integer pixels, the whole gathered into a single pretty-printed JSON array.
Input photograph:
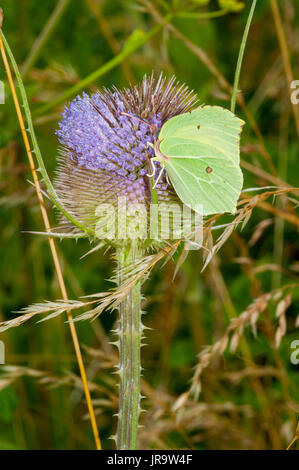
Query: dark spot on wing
[
  {"x": 209, "y": 169},
  {"x": 198, "y": 127}
]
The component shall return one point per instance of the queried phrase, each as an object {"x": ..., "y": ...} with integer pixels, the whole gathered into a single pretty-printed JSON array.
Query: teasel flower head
[{"x": 105, "y": 149}]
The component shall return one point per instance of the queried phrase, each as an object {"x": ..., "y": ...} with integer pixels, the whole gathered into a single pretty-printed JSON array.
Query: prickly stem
[{"x": 129, "y": 344}]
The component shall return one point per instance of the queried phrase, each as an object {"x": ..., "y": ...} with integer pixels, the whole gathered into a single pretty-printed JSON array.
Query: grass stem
[{"x": 240, "y": 57}]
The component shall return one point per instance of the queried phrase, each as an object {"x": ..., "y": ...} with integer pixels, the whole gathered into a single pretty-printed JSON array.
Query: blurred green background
[{"x": 249, "y": 397}]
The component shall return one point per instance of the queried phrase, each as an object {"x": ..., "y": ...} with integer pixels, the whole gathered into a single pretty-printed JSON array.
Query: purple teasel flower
[{"x": 105, "y": 152}]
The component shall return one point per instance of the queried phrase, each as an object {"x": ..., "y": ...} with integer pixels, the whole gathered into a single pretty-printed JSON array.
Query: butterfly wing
[{"x": 203, "y": 158}]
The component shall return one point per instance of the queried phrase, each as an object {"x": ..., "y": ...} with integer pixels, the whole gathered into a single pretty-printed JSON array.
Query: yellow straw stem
[
  {"x": 292, "y": 442},
  {"x": 294, "y": 438},
  {"x": 52, "y": 245}
]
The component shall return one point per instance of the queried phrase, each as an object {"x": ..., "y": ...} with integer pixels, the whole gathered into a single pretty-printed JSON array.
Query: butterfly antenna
[{"x": 138, "y": 119}]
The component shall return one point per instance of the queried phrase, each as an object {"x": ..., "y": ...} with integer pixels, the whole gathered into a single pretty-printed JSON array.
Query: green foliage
[
  {"x": 231, "y": 5},
  {"x": 8, "y": 403}
]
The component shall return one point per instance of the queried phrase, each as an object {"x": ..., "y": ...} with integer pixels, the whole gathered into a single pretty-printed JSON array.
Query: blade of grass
[
  {"x": 241, "y": 55},
  {"x": 52, "y": 244},
  {"x": 140, "y": 40},
  {"x": 44, "y": 36}
]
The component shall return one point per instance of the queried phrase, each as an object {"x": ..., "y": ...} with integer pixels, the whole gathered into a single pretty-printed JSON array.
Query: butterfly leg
[
  {"x": 153, "y": 167},
  {"x": 159, "y": 176}
]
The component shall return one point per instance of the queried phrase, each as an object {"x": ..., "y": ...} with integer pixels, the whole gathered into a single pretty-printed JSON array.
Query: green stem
[
  {"x": 129, "y": 344},
  {"x": 240, "y": 57}
]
